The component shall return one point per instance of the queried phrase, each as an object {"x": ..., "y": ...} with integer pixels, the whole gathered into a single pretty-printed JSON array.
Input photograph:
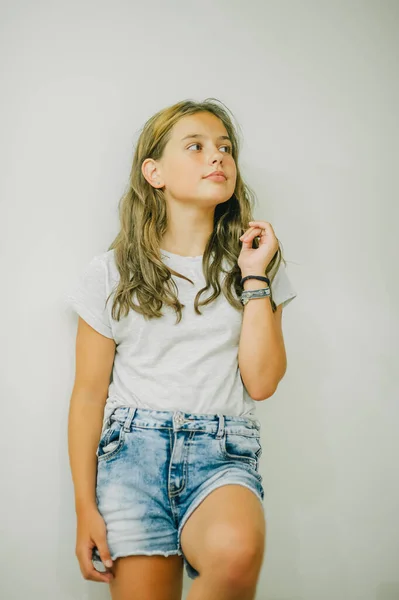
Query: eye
[{"x": 226, "y": 146}]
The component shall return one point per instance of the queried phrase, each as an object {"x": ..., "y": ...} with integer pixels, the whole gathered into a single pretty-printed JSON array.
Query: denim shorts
[{"x": 155, "y": 467}]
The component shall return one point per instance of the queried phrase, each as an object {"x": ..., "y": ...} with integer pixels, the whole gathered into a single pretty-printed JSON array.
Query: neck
[{"x": 189, "y": 228}]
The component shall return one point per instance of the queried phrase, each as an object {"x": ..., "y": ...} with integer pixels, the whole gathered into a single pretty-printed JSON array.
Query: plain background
[{"x": 314, "y": 87}]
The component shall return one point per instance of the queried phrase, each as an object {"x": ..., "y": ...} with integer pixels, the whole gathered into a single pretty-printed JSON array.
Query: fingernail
[{"x": 108, "y": 563}]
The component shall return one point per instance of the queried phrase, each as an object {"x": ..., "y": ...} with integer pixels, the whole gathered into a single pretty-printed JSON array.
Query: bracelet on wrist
[
  {"x": 248, "y": 295},
  {"x": 259, "y": 277}
]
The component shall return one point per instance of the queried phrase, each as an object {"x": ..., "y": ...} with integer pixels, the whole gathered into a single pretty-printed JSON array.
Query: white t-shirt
[{"x": 191, "y": 366}]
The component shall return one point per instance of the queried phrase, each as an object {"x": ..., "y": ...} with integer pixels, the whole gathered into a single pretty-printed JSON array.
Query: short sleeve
[
  {"x": 283, "y": 291},
  {"x": 89, "y": 295}
]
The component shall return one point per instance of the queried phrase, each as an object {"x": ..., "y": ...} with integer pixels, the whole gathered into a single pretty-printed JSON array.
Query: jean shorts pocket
[
  {"x": 111, "y": 442},
  {"x": 241, "y": 447}
]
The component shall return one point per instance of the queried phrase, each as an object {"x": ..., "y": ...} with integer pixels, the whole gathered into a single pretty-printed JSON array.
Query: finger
[
  {"x": 94, "y": 575},
  {"x": 89, "y": 571},
  {"x": 104, "y": 552},
  {"x": 262, "y": 224},
  {"x": 250, "y": 233},
  {"x": 246, "y": 232}
]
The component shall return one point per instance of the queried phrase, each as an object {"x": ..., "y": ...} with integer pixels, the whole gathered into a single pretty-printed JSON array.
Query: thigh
[
  {"x": 227, "y": 528},
  {"x": 142, "y": 577}
]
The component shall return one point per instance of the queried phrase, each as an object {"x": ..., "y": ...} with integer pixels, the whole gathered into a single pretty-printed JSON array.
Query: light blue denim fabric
[{"x": 155, "y": 467}]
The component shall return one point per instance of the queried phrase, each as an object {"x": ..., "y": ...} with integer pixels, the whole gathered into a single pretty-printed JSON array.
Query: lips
[{"x": 216, "y": 175}]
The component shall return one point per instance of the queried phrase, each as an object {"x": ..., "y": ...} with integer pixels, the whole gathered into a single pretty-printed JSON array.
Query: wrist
[
  {"x": 85, "y": 506},
  {"x": 254, "y": 284}
]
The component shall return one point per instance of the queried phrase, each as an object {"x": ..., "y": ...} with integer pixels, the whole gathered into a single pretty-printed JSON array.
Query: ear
[{"x": 151, "y": 173}]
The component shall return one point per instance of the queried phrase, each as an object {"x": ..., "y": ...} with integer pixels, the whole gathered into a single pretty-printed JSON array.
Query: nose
[{"x": 218, "y": 156}]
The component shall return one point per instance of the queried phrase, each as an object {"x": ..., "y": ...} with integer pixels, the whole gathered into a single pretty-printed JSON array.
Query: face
[{"x": 186, "y": 162}]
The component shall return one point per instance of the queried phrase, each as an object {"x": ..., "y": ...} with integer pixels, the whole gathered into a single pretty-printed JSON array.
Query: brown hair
[{"x": 143, "y": 222}]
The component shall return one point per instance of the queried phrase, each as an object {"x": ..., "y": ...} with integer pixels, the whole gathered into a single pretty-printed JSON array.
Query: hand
[
  {"x": 91, "y": 531},
  {"x": 254, "y": 261}
]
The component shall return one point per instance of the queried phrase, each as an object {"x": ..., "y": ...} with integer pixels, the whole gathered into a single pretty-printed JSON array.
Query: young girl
[{"x": 179, "y": 335}]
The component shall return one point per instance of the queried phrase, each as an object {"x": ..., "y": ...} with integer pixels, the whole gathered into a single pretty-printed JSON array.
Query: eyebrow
[{"x": 198, "y": 135}]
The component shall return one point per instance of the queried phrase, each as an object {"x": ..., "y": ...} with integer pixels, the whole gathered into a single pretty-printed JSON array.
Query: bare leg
[{"x": 207, "y": 588}]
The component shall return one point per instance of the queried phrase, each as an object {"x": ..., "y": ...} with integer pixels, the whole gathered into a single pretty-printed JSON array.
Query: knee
[{"x": 237, "y": 563}]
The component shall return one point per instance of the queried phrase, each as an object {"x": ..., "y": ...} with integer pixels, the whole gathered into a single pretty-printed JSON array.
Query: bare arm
[
  {"x": 261, "y": 356},
  {"x": 94, "y": 360}
]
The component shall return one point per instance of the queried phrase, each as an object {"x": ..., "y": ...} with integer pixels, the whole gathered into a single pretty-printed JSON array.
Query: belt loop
[
  {"x": 108, "y": 422},
  {"x": 220, "y": 431},
  {"x": 129, "y": 418}
]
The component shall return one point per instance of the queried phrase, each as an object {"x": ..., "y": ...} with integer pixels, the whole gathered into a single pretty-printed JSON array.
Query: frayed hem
[{"x": 146, "y": 553}]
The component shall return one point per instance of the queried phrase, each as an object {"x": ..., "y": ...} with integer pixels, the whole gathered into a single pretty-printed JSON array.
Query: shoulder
[
  {"x": 88, "y": 295},
  {"x": 107, "y": 260},
  {"x": 97, "y": 276}
]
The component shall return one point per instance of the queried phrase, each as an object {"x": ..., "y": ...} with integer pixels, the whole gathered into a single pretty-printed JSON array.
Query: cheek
[
  {"x": 233, "y": 173},
  {"x": 190, "y": 169},
  {"x": 175, "y": 169},
  {"x": 183, "y": 177}
]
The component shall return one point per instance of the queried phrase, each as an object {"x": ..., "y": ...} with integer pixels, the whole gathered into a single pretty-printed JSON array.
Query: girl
[{"x": 179, "y": 335}]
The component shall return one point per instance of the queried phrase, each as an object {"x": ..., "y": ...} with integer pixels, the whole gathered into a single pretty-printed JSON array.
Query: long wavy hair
[{"x": 143, "y": 222}]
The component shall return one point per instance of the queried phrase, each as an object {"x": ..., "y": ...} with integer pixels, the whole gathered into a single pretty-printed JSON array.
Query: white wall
[{"x": 315, "y": 90}]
